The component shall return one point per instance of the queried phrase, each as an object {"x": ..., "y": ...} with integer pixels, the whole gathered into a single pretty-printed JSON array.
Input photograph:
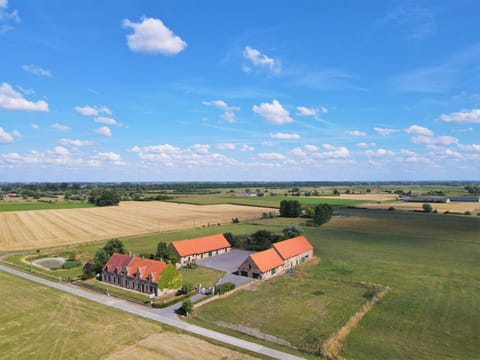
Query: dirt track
[{"x": 42, "y": 228}]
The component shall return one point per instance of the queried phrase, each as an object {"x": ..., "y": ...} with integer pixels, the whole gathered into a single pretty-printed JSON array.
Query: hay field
[
  {"x": 46, "y": 228},
  {"x": 363, "y": 197},
  {"x": 458, "y": 207}
]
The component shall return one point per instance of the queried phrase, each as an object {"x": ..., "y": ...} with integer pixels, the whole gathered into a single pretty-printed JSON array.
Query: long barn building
[{"x": 189, "y": 251}]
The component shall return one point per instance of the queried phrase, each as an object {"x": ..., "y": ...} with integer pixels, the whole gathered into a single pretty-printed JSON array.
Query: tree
[
  {"x": 323, "y": 213},
  {"x": 290, "y": 208},
  {"x": 292, "y": 231},
  {"x": 114, "y": 246},
  {"x": 261, "y": 240},
  {"x": 187, "y": 307},
  {"x": 165, "y": 253},
  {"x": 105, "y": 197},
  {"x": 170, "y": 278},
  {"x": 100, "y": 259},
  {"x": 427, "y": 208}
]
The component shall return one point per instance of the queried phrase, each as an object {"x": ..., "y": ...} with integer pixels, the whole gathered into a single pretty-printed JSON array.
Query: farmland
[
  {"x": 430, "y": 262},
  {"x": 27, "y": 206},
  {"x": 48, "y": 324},
  {"x": 38, "y": 229},
  {"x": 453, "y": 207}
]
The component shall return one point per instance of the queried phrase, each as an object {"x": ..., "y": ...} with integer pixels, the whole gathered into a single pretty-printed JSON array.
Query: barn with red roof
[
  {"x": 189, "y": 251},
  {"x": 132, "y": 272}
]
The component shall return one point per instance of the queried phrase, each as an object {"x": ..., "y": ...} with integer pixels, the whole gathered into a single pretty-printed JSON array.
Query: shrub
[
  {"x": 323, "y": 213},
  {"x": 391, "y": 208},
  {"x": 235, "y": 220},
  {"x": 224, "y": 288},
  {"x": 187, "y": 307},
  {"x": 427, "y": 208},
  {"x": 468, "y": 212},
  {"x": 290, "y": 208}
]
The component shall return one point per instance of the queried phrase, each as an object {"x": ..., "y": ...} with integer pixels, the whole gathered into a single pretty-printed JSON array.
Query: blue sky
[{"x": 239, "y": 90}]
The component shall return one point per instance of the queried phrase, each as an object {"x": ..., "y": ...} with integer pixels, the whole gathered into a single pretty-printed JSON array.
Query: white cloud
[
  {"x": 16, "y": 133},
  {"x": 37, "y": 70},
  {"x": 260, "y": 60},
  {"x": 271, "y": 156},
  {"x": 356, "y": 133},
  {"x": 304, "y": 111},
  {"x": 61, "y": 150},
  {"x": 35, "y": 126},
  {"x": 245, "y": 148},
  {"x": 365, "y": 145},
  {"x": 104, "y": 131},
  {"x": 12, "y": 100},
  {"x": 418, "y": 130},
  {"x": 379, "y": 153},
  {"x": 385, "y": 132},
  {"x": 76, "y": 142},
  {"x": 107, "y": 120},
  {"x": 274, "y": 113},
  {"x": 201, "y": 148},
  {"x": 153, "y": 37},
  {"x": 285, "y": 136},
  {"x": 88, "y": 110},
  {"x": 463, "y": 117},
  {"x": 109, "y": 156},
  {"x": 3, "y": 4},
  {"x": 228, "y": 114},
  {"x": 472, "y": 147},
  {"x": 225, "y": 146},
  {"x": 333, "y": 152},
  {"x": 60, "y": 127},
  {"x": 7, "y": 18},
  {"x": 434, "y": 140},
  {"x": 298, "y": 152},
  {"x": 310, "y": 148},
  {"x": 5, "y": 138}
]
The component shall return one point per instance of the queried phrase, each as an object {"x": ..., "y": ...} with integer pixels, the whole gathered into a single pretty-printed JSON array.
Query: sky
[{"x": 239, "y": 90}]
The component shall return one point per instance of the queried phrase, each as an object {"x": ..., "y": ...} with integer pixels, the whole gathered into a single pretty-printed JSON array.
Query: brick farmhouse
[
  {"x": 283, "y": 256},
  {"x": 189, "y": 251},
  {"x": 134, "y": 273}
]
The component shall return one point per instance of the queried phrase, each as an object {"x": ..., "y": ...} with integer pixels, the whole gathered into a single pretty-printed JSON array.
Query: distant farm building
[
  {"x": 134, "y": 273},
  {"x": 440, "y": 199},
  {"x": 464, "y": 199},
  {"x": 189, "y": 251},
  {"x": 283, "y": 256}
]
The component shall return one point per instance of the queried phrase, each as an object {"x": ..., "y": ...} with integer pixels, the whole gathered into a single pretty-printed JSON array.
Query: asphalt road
[{"x": 165, "y": 317}]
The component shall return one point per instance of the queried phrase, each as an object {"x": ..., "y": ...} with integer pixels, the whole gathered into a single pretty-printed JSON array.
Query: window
[
  {"x": 249, "y": 266},
  {"x": 273, "y": 271},
  {"x": 244, "y": 273}
]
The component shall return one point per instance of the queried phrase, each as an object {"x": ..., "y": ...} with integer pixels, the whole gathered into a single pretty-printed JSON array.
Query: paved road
[{"x": 154, "y": 314}]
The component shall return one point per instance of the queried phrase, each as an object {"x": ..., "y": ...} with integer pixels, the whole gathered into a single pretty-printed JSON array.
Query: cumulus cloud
[
  {"x": 333, "y": 152},
  {"x": 12, "y": 100},
  {"x": 60, "y": 127},
  {"x": 76, "y": 142},
  {"x": 109, "y": 156},
  {"x": 271, "y": 156},
  {"x": 418, "y": 130},
  {"x": 379, "y": 153},
  {"x": 35, "y": 126},
  {"x": 305, "y": 111},
  {"x": 228, "y": 111},
  {"x": 225, "y": 146},
  {"x": 273, "y": 112},
  {"x": 356, "y": 133},
  {"x": 310, "y": 148},
  {"x": 462, "y": 117},
  {"x": 201, "y": 148},
  {"x": 285, "y": 136},
  {"x": 472, "y": 147},
  {"x": 153, "y": 37},
  {"x": 5, "y": 137},
  {"x": 104, "y": 131},
  {"x": 256, "y": 58},
  {"x": 88, "y": 110},
  {"x": 36, "y": 70},
  {"x": 107, "y": 120},
  {"x": 434, "y": 140},
  {"x": 246, "y": 148},
  {"x": 385, "y": 132},
  {"x": 365, "y": 145}
]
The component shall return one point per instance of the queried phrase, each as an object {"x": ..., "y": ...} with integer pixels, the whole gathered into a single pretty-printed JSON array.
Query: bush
[
  {"x": 69, "y": 264},
  {"x": 290, "y": 208},
  {"x": 391, "y": 208},
  {"x": 427, "y": 208},
  {"x": 170, "y": 278},
  {"x": 292, "y": 231},
  {"x": 468, "y": 212},
  {"x": 235, "y": 220},
  {"x": 187, "y": 307},
  {"x": 323, "y": 213},
  {"x": 224, "y": 288}
]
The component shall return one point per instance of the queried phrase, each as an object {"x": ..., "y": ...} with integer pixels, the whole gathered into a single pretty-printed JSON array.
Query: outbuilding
[
  {"x": 262, "y": 265},
  {"x": 189, "y": 251}
]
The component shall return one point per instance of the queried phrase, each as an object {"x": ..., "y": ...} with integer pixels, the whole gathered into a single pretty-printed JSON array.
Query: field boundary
[{"x": 332, "y": 347}]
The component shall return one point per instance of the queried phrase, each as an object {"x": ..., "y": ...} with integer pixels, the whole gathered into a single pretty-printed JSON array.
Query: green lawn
[
  {"x": 201, "y": 275},
  {"x": 430, "y": 261},
  {"x": 26, "y": 206}
]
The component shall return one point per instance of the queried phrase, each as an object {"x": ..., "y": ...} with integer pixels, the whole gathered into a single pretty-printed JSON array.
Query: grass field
[
  {"x": 454, "y": 207},
  {"x": 39, "y": 229},
  {"x": 431, "y": 263},
  {"x": 27, "y": 206}
]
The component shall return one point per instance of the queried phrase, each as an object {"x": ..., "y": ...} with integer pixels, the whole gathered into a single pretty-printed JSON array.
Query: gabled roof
[
  {"x": 266, "y": 260},
  {"x": 200, "y": 245},
  {"x": 118, "y": 262},
  {"x": 132, "y": 264},
  {"x": 146, "y": 267},
  {"x": 292, "y": 247}
]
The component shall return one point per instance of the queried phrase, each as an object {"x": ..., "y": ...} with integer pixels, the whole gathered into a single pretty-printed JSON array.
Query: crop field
[
  {"x": 38, "y": 229},
  {"x": 430, "y": 262},
  {"x": 37, "y": 322},
  {"x": 457, "y": 207},
  {"x": 26, "y": 205}
]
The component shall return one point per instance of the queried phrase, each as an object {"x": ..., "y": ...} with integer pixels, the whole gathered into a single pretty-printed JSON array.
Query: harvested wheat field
[
  {"x": 171, "y": 346},
  {"x": 45, "y": 228},
  {"x": 453, "y": 207}
]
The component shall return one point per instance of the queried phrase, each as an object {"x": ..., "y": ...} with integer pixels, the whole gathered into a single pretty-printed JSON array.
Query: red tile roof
[
  {"x": 146, "y": 267},
  {"x": 118, "y": 262},
  {"x": 132, "y": 264},
  {"x": 200, "y": 245},
  {"x": 292, "y": 247},
  {"x": 266, "y": 260}
]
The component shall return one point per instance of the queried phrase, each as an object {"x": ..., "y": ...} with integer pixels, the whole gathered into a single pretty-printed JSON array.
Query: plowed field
[{"x": 44, "y": 228}]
